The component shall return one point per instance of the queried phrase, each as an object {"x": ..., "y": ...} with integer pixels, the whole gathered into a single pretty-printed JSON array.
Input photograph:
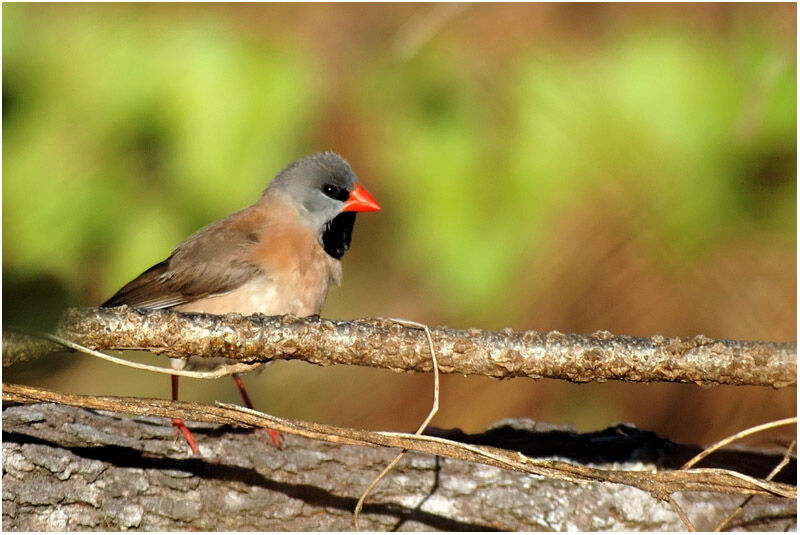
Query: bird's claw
[
  {"x": 180, "y": 427},
  {"x": 275, "y": 436}
]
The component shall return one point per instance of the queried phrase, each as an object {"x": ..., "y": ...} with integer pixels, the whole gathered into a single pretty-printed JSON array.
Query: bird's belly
[{"x": 265, "y": 296}]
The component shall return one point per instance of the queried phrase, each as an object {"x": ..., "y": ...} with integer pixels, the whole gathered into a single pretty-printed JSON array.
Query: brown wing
[
  {"x": 148, "y": 290},
  {"x": 212, "y": 261}
]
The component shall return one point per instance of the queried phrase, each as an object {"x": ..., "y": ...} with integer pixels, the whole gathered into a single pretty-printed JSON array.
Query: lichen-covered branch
[
  {"x": 68, "y": 468},
  {"x": 19, "y": 347},
  {"x": 384, "y": 343}
]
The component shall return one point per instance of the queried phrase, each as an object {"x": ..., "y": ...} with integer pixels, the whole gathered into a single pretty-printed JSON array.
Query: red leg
[
  {"x": 274, "y": 435},
  {"x": 178, "y": 424},
  {"x": 245, "y": 396}
]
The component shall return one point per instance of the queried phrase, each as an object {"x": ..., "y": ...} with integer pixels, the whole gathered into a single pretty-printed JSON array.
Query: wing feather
[{"x": 213, "y": 261}]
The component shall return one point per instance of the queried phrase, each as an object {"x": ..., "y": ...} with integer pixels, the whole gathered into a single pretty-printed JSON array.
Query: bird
[{"x": 278, "y": 256}]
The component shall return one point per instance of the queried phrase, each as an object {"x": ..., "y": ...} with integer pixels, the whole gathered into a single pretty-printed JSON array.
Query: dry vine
[
  {"x": 736, "y": 436},
  {"x": 419, "y": 431},
  {"x": 722, "y": 443},
  {"x": 786, "y": 457},
  {"x": 682, "y": 514},
  {"x": 216, "y": 373}
]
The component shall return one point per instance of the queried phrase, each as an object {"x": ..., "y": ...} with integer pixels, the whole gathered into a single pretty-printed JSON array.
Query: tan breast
[{"x": 296, "y": 269}]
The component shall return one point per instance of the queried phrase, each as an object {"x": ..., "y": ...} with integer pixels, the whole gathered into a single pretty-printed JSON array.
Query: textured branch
[
  {"x": 19, "y": 347},
  {"x": 383, "y": 343},
  {"x": 66, "y": 468}
]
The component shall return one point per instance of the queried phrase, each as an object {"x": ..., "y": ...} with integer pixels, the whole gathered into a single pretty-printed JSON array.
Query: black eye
[
  {"x": 330, "y": 190},
  {"x": 335, "y": 192}
]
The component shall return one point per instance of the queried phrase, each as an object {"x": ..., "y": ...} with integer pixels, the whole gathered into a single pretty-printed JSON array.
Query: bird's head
[{"x": 327, "y": 194}]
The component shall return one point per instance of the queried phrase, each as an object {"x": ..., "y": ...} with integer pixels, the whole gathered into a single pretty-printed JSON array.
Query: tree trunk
[{"x": 66, "y": 468}]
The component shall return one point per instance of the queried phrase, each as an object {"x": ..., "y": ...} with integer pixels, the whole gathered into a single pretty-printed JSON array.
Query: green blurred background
[{"x": 570, "y": 167}]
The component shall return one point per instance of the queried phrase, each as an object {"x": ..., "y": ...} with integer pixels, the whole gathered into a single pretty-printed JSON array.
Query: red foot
[
  {"x": 274, "y": 435},
  {"x": 179, "y": 426}
]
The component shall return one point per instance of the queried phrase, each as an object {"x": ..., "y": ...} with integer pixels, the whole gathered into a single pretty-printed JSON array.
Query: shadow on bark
[{"x": 68, "y": 468}]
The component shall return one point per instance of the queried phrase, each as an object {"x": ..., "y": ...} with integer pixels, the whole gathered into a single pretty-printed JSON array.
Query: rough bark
[
  {"x": 661, "y": 484},
  {"x": 67, "y": 468},
  {"x": 386, "y": 344}
]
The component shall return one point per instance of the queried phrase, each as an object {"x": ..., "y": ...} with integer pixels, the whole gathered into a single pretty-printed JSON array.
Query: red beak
[{"x": 360, "y": 201}]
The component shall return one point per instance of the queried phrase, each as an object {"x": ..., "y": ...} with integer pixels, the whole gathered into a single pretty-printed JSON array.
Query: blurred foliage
[
  {"x": 513, "y": 148},
  {"x": 123, "y": 133},
  {"x": 659, "y": 119}
]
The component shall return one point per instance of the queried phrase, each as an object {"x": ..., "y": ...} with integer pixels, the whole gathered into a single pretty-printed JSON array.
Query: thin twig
[
  {"x": 736, "y": 475},
  {"x": 786, "y": 457},
  {"x": 431, "y": 414},
  {"x": 741, "y": 434},
  {"x": 714, "y": 447},
  {"x": 502, "y": 460},
  {"x": 216, "y": 373},
  {"x": 682, "y": 514}
]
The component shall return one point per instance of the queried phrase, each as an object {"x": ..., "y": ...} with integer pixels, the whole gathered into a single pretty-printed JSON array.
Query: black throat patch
[{"x": 337, "y": 234}]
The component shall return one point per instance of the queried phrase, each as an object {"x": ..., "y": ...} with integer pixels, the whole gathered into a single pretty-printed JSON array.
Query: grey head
[{"x": 320, "y": 185}]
